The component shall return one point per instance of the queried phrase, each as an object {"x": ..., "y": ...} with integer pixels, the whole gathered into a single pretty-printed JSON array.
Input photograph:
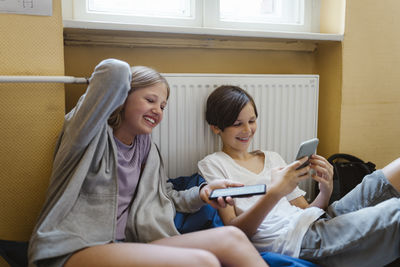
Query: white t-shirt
[{"x": 282, "y": 230}]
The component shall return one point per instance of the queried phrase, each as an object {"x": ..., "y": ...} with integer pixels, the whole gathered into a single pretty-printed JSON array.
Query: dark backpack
[{"x": 348, "y": 172}]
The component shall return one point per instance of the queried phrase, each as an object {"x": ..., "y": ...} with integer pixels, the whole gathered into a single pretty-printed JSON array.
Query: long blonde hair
[{"x": 141, "y": 77}]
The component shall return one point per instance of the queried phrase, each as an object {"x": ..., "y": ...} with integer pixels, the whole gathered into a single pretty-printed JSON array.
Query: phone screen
[{"x": 241, "y": 191}]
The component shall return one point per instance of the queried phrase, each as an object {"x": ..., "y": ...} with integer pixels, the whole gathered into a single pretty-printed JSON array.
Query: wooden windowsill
[{"x": 104, "y": 34}]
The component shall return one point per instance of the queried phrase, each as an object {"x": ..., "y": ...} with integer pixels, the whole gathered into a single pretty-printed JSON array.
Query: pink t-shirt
[{"x": 130, "y": 161}]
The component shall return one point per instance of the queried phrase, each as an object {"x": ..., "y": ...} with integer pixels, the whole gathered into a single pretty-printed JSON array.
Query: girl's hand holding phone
[
  {"x": 220, "y": 202},
  {"x": 323, "y": 174},
  {"x": 285, "y": 179}
]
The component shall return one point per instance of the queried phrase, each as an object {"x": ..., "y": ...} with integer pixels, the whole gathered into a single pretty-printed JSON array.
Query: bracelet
[{"x": 202, "y": 185}]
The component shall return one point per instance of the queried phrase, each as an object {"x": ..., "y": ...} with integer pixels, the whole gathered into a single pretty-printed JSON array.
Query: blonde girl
[{"x": 109, "y": 202}]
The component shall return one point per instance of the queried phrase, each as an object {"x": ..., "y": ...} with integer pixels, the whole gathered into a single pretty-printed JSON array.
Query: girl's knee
[
  {"x": 392, "y": 173},
  {"x": 392, "y": 170},
  {"x": 235, "y": 234}
]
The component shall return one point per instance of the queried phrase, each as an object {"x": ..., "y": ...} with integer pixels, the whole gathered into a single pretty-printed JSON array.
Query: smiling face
[
  {"x": 143, "y": 110},
  {"x": 237, "y": 137}
]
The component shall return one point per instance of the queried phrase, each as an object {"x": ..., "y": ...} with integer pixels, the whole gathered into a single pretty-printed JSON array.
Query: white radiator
[{"x": 287, "y": 115}]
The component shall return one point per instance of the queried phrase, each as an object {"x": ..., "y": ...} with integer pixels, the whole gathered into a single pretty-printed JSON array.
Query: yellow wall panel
[
  {"x": 372, "y": 132},
  {"x": 329, "y": 67},
  {"x": 370, "y": 96},
  {"x": 31, "y": 45},
  {"x": 31, "y": 116}
]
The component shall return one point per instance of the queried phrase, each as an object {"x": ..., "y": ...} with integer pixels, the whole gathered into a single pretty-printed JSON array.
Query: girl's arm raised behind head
[{"x": 107, "y": 90}]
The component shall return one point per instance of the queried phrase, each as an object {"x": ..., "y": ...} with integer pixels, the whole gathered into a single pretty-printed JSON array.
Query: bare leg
[
  {"x": 392, "y": 173},
  {"x": 141, "y": 255},
  {"x": 229, "y": 244}
]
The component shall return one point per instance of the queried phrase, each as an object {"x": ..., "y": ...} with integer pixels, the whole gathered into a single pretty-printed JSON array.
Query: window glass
[
  {"x": 195, "y": 16},
  {"x": 151, "y": 8},
  {"x": 261, "y": 11}
]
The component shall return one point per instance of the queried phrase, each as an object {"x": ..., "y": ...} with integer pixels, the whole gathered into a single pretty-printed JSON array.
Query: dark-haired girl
[{"x": 361, "y": 229}]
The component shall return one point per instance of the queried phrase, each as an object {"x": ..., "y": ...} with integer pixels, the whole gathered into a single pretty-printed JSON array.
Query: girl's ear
[{"x": 215, "y": 129}]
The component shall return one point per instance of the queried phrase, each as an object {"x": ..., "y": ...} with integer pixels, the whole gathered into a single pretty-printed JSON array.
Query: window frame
[
  {"x": 309, "y": 10},
  {"x": 71, "y": 20},
  {"x": 205, "y": 14}
]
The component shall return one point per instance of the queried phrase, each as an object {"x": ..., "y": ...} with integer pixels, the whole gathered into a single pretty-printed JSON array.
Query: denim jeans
[{"x": 361, "y": 229}]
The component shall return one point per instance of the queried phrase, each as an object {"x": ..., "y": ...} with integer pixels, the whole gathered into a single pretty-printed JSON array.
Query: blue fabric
[
  {"x": 276, "y": 259},
  {"x": 207, "y": 217}
]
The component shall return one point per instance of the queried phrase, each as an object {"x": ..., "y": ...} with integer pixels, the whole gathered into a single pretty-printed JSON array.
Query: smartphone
[
  {"x": 307, "y": 148},
  {"x": 242, "y": 191}
]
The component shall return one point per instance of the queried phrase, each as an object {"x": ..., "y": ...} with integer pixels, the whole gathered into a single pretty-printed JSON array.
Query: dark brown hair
[{"x": 224, "y": 105}]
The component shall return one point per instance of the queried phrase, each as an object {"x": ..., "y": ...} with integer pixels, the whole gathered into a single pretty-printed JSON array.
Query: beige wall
[
  {"x": 332, "y": 16},
  {"x": 370, "y": 111},
  {"x": 329, "y": 67},
  {"x": 31, "y": 116}
]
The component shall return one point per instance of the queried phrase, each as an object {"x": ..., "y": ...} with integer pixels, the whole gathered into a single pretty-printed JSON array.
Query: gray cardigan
[{"x": 81, "y": 204}]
